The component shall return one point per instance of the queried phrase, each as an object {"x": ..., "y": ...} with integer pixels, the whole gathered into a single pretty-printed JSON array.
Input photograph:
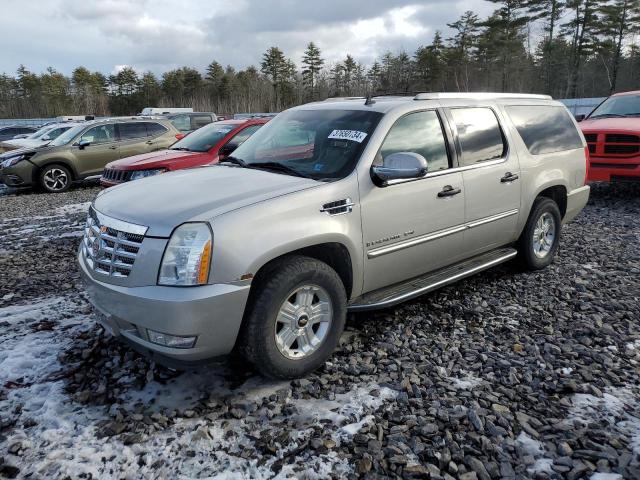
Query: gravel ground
[{"x": 504, "y": 375}]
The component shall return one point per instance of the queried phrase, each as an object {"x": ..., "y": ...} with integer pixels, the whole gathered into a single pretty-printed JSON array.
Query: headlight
[
  {"x": 146, "y": 173},
  {"x": 12, "y": 160},
  {"x": 187, "y": 258}
]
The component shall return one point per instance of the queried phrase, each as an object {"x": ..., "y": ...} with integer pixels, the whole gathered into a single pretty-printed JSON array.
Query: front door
[
  {"x": 102, "y": 148},
  {"x": 411, "y": 227},
  {"x": 491, "y": 177},
  {"x": 133, "y": 139}
]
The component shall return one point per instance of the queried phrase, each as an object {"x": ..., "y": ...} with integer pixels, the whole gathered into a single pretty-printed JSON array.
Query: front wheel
[
  {"x": 55, "y": 178},
  {"x": 294, "y": 318},
  {"x": 540, "y": 239}
]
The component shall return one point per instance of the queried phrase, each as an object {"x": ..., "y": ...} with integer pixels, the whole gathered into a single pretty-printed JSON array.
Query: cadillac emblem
[{"x": 95, "y": 247}]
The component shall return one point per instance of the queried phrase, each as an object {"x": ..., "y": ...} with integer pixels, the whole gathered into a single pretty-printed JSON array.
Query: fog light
[{"x": 172, "y": 341}]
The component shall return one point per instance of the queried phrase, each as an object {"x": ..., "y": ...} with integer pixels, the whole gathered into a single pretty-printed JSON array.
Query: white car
[{"x": 38, "y": 138}]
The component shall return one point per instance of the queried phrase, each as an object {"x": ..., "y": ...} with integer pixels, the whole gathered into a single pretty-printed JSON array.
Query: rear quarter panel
[{"x": 539, "y": 172}]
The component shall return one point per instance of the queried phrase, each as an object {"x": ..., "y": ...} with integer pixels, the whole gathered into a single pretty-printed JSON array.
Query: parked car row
[{"x": 57, "y": 155}]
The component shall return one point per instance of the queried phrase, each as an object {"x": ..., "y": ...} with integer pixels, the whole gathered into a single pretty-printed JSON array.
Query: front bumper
[
  {"x": 614, "y": 169},
  {"x": 212, "y": 313},
  {"x": 576, "y": 201}
]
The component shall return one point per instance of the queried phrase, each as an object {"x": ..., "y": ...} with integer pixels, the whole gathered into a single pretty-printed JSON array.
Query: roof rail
[
  {"x": 343, "y": 99},
  {"x": 478, "y": 95}
]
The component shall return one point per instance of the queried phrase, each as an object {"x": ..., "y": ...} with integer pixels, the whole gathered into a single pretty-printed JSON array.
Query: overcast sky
[{"x": 159, "y": 35}]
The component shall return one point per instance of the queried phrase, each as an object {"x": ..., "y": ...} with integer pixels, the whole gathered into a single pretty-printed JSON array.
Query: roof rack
[
  {"x": 478, "y": 95},
  {"x": 343, "y": 99}
]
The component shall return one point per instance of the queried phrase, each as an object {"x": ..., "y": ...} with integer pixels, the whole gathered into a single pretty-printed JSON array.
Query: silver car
[{"x": 336, "y": 206}]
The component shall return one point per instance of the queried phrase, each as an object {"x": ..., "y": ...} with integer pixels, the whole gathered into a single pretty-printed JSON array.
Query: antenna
[{"x": 369, "y": 100}]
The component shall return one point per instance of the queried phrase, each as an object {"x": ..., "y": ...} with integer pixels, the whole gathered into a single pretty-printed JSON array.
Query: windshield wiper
[
  {"x": 234, "y": 160},
  {"x": 182, "y": 149},
  {"x": 602, "y": 115},
  {"x": 279, "y": 167}
]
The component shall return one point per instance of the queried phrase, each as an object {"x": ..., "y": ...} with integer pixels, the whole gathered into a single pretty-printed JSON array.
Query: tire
[
  {"x": 537, "y": 254},
  {"x": 272, "y": 318},
  {"x": 55, "y": 178}
]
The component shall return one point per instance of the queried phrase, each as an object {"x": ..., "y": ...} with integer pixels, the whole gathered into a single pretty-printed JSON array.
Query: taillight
[
  {"x": 180, "y": 136},
  {"x": 587, "y": 161}
]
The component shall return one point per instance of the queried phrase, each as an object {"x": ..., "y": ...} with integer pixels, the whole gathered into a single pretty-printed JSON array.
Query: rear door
[
  {"x": 102, "y": 149},
  {"x": 133, "y": 139},
  {"x": 491, "y": 175},
  {"x": 158, "y": 137}
]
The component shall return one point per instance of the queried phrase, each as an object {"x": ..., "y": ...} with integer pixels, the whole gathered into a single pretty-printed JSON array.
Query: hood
[
  {"x": 25, "y": 142},
  {"x": 163, "y": 158},
  {"x": 17, "y": 151},
  {"x": 628, "y": 124},
  {"x": 165, "y": 201}
]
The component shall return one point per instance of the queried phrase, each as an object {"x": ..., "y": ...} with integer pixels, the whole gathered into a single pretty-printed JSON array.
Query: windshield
[
  {"x": 203, "y": 139},
  {"x": 41, "y": 132},
  {"x": 623, "y": 106},
  {"x": 321, "y": 144},
  {"x": 67, "y": 136}
]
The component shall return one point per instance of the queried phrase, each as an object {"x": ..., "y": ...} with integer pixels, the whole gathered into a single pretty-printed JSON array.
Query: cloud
[{"x": 160, "y": 35}]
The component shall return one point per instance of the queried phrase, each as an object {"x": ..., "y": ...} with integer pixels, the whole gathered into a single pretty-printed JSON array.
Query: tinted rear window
[
  {"x": 479, "y": 135},
  {"x": 545, "y": 129},
  {"x": 154, "y": 129},
  {"x": 129, "y": 131}
]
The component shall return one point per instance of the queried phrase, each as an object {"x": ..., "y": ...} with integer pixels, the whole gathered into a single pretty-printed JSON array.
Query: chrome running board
[{"x": 389, "y": 296}]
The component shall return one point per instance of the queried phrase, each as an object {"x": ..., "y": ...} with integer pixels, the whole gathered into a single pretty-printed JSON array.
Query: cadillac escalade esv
[{"x": 331, "y": 207}]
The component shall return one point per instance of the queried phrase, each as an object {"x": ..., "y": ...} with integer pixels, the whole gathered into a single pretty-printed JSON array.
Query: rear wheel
[
  {"x": 55, "y": 178},
  {"x": 294, "y": 319},
  {"x": 540, "y": 239}
]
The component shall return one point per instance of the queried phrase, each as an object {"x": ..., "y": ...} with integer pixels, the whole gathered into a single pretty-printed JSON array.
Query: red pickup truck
[
  {"x": 612, "y": 132},
  {"x": 206, "y": 145}
]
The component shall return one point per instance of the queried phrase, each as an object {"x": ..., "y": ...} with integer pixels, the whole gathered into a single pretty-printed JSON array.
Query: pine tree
[
  {"x": 617, "y": 21},
  {"x": 549, "y": 12},
  {"x": 463, "y": 44},
  {"x": 312, "y": 62},
  {"x": 279, "y": 70}
]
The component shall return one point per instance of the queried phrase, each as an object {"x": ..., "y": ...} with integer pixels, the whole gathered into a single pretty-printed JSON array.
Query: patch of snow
[
  {"x": 618, "y": 407},
  {"x": 567, "y": 371},
  {"x": 536, "y": 450},
  {"x": 466, "y": 382},
  {"x": 73, "y": 208},
  {"x": 605, "y": 476}
]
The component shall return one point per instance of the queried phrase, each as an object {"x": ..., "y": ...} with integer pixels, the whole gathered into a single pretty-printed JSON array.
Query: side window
[
  {"x": 240, "y": 138},
  {"x": 133, "y": 130},
  {"x": 198, "y": 121},
  {"x": 154, "y": 129},
  {"x": 545, "y": 129},
  {"x": 421, "y": 133},
  {"x": 56, "y": 132},
  {"x": 479, "y": 135},
  {"x": 100, "y": 134},
  {"x": 182, "y": 122}
]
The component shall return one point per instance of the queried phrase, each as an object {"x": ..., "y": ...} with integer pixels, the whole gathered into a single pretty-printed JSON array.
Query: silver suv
[{"x": 332, "y": 207}]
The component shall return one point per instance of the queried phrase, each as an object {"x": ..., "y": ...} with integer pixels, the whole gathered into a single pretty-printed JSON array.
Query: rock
[{"x": 364, "y": 465}]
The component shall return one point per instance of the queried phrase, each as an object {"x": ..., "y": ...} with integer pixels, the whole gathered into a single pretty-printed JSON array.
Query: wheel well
[
  {"x": 558, "y": 194},
  {"x": 335, "y": 255}
]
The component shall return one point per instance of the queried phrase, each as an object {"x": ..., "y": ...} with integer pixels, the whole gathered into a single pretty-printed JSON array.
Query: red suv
[
  {"x": 612, "y": 132},
  {"x": 206, "y": 145}
]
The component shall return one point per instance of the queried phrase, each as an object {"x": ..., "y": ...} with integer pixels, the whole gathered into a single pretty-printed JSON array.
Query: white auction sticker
[{"x": 354, "y": 135}]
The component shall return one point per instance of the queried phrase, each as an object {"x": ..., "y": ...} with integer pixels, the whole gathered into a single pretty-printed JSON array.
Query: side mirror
[
  {"x": 399, "y": 166},
  {"x": 227, "y": 149},
  {"x": 83, "y": 143},
  {"x": 45, "y": 138},
  {"x": 580, "y": 117}
]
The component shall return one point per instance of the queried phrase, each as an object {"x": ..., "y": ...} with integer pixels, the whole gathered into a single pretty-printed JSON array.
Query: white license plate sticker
[{"x": 353, "y": 135}]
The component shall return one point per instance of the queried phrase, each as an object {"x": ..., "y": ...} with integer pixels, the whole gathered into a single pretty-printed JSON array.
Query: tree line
[{"x": 565, "y": 48}]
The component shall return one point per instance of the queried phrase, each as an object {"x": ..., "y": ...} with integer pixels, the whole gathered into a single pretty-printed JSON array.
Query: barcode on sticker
[{"x": 353, "y": 135}]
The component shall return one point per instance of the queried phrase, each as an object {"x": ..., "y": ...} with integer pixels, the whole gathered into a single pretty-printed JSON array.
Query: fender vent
[{"x": 339, "y": 207}]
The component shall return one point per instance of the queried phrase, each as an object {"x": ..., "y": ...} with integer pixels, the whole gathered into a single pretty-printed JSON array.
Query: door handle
[
  {"x": 449, "y": 191},
  {"x": 149, "y": 142},
  {"x": 112, "y": 147},
  {"x": 509, "y": 177}
]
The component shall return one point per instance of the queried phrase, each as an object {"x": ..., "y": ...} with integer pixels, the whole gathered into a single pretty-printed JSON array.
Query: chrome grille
[
  {"x": 116, "y": 176},
  {"x": 111, "y": 246}
]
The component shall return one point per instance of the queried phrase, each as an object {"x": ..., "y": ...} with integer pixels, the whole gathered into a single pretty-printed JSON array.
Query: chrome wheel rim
[
  {"x": 544, "y": 235},
  {"x": 303, "y": 321},
  {"x": 56, "y": 179}
]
